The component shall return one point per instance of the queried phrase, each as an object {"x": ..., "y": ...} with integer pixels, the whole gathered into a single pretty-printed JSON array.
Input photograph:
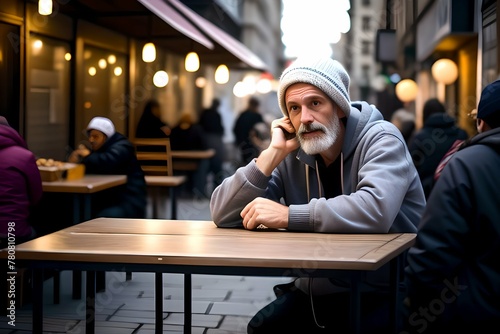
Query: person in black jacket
[
  {"x": 211, "y": 122},
  {"x": 113, "y": 154},
  {"x": 430, "y": 144},
  {"x": 453, "y": 270},
  {"x": 243, "y": 130},
  {"x": 150, "y": 124}
]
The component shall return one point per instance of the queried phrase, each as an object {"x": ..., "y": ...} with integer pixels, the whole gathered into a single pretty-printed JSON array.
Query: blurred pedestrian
[
  {"x": 189, "y": 136},
  {"x": 404, "y": 120},
  {"x": 243, "y": 127},
  {"x": 211, "y": 122},
  {"x": 150, "y": 124},
  {"x": 430, "y": 144}
]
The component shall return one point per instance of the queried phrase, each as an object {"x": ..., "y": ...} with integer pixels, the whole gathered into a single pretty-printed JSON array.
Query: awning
[
  {"x": 169, "y": 24},
  {"x": 220, "y": 37},
  {"x": 176, "y": 21}
]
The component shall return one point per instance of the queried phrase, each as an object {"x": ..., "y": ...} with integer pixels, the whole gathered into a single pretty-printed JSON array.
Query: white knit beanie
[
  {"x": 325, "y": 73},
  {"x": 102, "y": 124}
]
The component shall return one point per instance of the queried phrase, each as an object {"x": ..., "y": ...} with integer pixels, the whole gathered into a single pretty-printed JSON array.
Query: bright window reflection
[{"x": 47, "y": 102}]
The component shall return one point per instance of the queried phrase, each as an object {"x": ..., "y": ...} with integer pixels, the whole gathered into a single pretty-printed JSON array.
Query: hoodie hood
[
  {"x": 10, "y": 137},
  {"x": 361, "y": 119},
  {"x": 489, "y": 138},
  {"x": 440, "y": 120}
]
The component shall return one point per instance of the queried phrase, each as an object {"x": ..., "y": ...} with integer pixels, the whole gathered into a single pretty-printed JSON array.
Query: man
[
  {"x": 211, "y": 122},
  {"x": 243, "y": 130},
  {"x": 112, "y": 153},
  {"x": 453, "y": 270},
  {"x": 332, "y": 167},
  {"x": 432, "y": 141}
]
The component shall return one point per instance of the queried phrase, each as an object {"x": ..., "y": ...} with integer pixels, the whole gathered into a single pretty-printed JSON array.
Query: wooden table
[
  {"x": 189, "y": 160},
  {"x": 82, "y": 190},
  {"x": 171, "y": 182},
  {"x": 199, "y": 247}
]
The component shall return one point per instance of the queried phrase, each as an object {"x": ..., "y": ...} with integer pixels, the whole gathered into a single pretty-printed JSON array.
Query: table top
[
  {"x": 87, "y": 185},
  {"x": 201, "y": 243},
  {"x": 165, "y": 181},
  {"x": 195, "y": 154}
]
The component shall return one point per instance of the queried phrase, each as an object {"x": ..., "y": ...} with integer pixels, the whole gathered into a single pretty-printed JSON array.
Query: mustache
[{"x": 304, "y": 128}]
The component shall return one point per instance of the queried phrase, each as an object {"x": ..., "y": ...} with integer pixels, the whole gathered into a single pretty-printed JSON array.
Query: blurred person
[
  {"x": 332, "y": 166},
  {"x": 189, "y": 136},
  {"x": 260, "y": 136},
  {"x": 404, "y": 120},
  {"x": 211, "y": 122},
  {"x": 430, "y": 144},
  {"x": 453, "y": 272},
  {"x": 113, "y": 154},
  {"x": 243, "y": 127},
  {"x": 150, "y": 124},
  {"x": 454, "y": 147},
  {"x": 20, "y": 186}
]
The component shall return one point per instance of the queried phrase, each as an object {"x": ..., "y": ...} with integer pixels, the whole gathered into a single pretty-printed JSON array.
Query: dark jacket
[
  {"x": 117, "y": 157},
  {"x": 150, "y": 126},
  {"x": 20, "y": 182},
  {"x": 454, "y": 268},
  {"x": 244, "y": 124},
  {"x": 431, "y": 143},
  {"x": 211, "y": 122}
]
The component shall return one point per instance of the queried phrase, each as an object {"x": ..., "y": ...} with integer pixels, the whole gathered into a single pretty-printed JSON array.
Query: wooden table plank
[
  {"x": 87, "y": 185},
  {"x": 199, "y": 243}
]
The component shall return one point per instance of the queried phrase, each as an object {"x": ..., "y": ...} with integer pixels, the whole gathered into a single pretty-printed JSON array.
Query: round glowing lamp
[
  {"x": 406, "y": 90},
  {"x": 445, "y": 71},
  {"x": 160, "y": 79}
]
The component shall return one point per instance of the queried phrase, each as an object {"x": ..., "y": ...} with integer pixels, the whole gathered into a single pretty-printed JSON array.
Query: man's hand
[
  {"x": 282, "y": 143},
  {"x": 283, "y": 135},
  {"x": 79, "y": 153},
  {"x": 266, "y": 212}
]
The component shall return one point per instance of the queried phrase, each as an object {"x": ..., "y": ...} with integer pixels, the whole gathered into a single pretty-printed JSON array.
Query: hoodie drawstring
[{"x": 308, "y": 200}]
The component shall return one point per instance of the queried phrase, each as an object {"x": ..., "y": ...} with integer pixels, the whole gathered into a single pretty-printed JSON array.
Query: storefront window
[
  {"x": 105, "y": 80},
  {"x": 48, "y": 96}
]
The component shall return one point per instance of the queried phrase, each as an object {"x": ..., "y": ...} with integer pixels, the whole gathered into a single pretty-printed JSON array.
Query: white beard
[{"x": 324, "y": 141}]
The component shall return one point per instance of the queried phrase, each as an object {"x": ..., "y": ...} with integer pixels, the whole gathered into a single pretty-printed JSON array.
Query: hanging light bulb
[
  {"x": 192, "y": 62},
  {"x": 222, "y": 74},
  {"x": 160, "y": 79},
  {"x": 44, "y": 7},
  {"x": 148, "y": 53}
]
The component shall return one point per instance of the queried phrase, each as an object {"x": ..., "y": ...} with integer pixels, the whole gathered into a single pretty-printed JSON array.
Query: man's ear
[
  {"x": 340, "y": 112},
  {"x": 482, "y": 125}
]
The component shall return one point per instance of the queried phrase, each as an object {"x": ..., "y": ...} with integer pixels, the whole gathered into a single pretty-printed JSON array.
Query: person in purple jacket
[{"x": 20, "y": 186}]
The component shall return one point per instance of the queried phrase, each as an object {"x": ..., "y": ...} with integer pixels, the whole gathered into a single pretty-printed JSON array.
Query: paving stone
[
  {"x": 228, "y": 308},
  {"x": 197, "y": 320},
  {"x": 234, "y": 324}
]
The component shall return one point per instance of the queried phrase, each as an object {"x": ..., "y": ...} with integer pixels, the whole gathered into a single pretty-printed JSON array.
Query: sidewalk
[{"x": 221, "y": 304}]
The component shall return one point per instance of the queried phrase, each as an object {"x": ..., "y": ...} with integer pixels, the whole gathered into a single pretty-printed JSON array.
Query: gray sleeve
[{"x": 235, "y": 192}]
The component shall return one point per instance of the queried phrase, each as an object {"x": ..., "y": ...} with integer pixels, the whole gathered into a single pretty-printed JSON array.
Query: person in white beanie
[
  {"x": 332, "y": 166},
  {"x": 113, "y": 153}
]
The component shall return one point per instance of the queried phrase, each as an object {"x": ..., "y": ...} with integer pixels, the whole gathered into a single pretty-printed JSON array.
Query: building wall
[{"x": 366, "y": 18}]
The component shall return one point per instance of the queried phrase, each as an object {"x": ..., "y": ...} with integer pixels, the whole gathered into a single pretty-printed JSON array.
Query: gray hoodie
[{"x": 381, "y": 189}]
